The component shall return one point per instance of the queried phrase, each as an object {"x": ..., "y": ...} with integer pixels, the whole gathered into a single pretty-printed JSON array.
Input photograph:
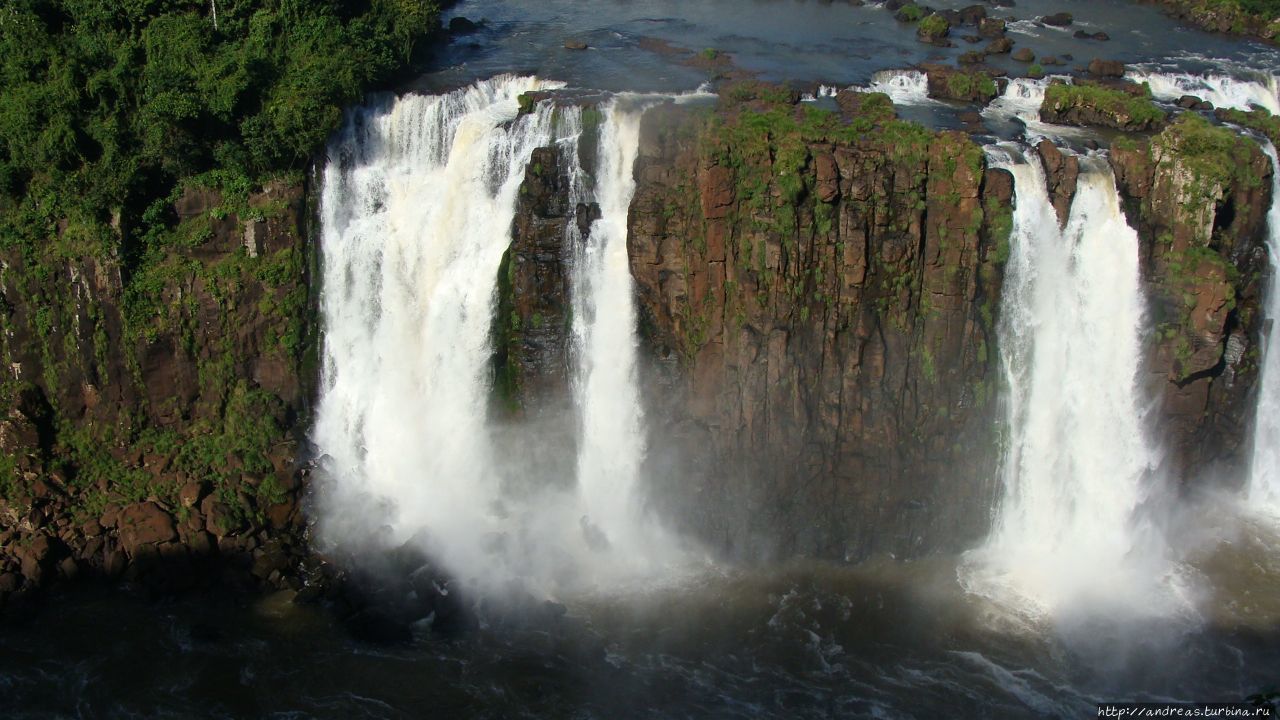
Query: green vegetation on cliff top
[
  {"x": 1127, "y": 108},
  {"x": 1257, "y": 18},
  {"x": 1215, "y": 155},
  {"x": 109, "y": 109},
  {"x": 1259, "y": 119}
]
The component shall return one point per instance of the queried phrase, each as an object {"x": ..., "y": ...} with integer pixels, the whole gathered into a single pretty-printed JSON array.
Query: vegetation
[
  {"x": 1246, "y": 17},
  {"x": 1215, "y": 155},
  {"x": 1124, "y": 108},
  {"x": 962, "y": 84},
  {"x": 111, "y": 110},
  {"x": 934, "y": 26},
  {"x": 1259, "y": 119},
  {"x": 910, "y": 13}
]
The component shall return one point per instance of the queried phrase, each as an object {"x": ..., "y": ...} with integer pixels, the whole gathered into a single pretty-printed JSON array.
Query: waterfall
[
  {"x": 1223, "y": 91},
  {"x": 612, "y": 443},
  {"x": 1022, "y": 99},
  {"x": 1264, "y": 481},
  {"x": 417, "y": 210},
  {"x": 909, "y": 87},
  {"x": 1071, "y": 529},
  {"x": 1019, "y": 105}
]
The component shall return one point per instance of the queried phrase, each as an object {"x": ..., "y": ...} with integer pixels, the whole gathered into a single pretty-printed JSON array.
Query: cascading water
[
  {"x": 417, "y": 211},
  {"x": 1223, "y": 91},
  {"x": 612, "y": 441},
  {"x": 1071, "y": 531},
  {"x": 1264, "y": 481},
  {"x": 910, "y": 87},
  {"x": 1017, "y": 110}
]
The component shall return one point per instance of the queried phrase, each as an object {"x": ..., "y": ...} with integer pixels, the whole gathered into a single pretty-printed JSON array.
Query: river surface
[
  {"x": 795, "y": 40},
  {"x": 813, "y": 641}
]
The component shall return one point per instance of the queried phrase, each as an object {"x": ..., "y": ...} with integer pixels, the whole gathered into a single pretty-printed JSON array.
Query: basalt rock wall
[
  {"x": 1199, "y": 197},
  {"x": 151, "y": 393},
  {"x": 817, "y": 302}
]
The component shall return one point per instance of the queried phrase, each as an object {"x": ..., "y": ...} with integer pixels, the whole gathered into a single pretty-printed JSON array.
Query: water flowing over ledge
[
  {"x": 1075, "y": 528},
  {"x": 1264, "y": 476},
  {"x": 418, "y": 206}
]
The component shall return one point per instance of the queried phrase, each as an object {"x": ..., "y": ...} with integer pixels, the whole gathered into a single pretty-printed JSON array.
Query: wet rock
[
  {"x": 933, "y": 29},
  {"x": 1061, "y": 174},
  {"x": 1123, "y": 106},
  {"x": 532, "y": 349},
  {"x": 1082, "y": 35},
  {"x": 992, "y": 28},
  {"x": 768, "y": 381},
  {"x": 1106, "y": 68},
  {"x": 574, "y": 45},
  {"x": 1050, "y": 60},
  {"x": 1023, "y": 55},
  {"x": 972, "y": 15},
  {"x": 463, "y": 26},
  {"x": 1191, "y": 102},
  {"x": 964, "y": 85},
  {"x": 854, "y": 104},
  {"x": 971, "y": 58},
  {"x": 1062, "y": 19},
  {"x": 999, "y": 46}
]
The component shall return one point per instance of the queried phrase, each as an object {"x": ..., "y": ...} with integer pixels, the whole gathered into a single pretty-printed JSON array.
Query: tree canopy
[{"x": 106, "y": 105}]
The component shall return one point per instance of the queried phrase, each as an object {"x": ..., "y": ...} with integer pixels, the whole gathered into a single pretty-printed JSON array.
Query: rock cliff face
[
  {"x": 818, "y": 299},
  {"x": 532, "y": 324},
  {"x": 151, "y": 392},
  {"x": 1199, "y": 195}
]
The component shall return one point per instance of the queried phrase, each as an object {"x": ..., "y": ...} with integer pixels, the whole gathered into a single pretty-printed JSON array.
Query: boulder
[
  {"x": 1061, "y": 173},
  {"x": 145, "y": 524},
  {"x": 999, "y": 46},
  {"x": 574, "y": 45},
  {"x": 1106, "y": 68},
  {"x": 1062, "y": 19},
  {"x": 1191, "y": 102},
  {"x": 972, "y": 15},
  {"x": 991, "y": 27},
  {"x": 1024, "y": 55},
  {"x": 219, "y": 519},
  {"x": 462, "y": 26},
  {"x": 192, "y": 493}
]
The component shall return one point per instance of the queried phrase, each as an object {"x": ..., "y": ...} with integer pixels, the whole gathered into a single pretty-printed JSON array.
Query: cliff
[
  {"x": 1199, "y": 195},
  {"x": 148, "y": 429},
  {"x": 818, "y": 296}
]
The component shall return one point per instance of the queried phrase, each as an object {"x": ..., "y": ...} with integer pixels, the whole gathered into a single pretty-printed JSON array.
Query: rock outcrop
[
  {"x": 531, "y": 329},
  {"x": 965, "y": 85},
  {"x": 818, "y": 300},
  {"x": 1199, "y": 195},
  {"x": 1121, "y": 106},
  {"x": 152, "y": 395}
]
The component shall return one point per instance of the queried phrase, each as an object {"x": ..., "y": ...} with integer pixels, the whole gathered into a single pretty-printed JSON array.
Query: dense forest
[{"x": 108, "y": 106}]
